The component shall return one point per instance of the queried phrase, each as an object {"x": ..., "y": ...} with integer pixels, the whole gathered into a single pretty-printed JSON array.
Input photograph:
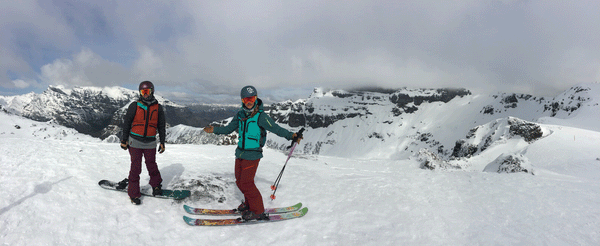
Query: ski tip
[
  {"x": 188, "y": 209},
  {"x": 189, "y": 220}
]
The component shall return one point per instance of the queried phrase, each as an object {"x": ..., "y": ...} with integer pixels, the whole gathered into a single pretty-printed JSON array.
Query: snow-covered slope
[
  {"x": 12, "y": 126},
  {"x": 181, "y": 134},
  {"x": 50, "y": 194}
]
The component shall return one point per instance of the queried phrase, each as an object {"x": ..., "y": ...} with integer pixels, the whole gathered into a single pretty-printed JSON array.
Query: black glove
[
  {"x": 161, "y": 148},
  {"x": 296, "y": 137},
  {"x": 124, "y": 145}
]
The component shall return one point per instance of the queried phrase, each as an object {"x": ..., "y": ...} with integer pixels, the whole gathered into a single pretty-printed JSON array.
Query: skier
[
  {"x": 143, "y": 120},
  {"x": 251, "y": 123}
]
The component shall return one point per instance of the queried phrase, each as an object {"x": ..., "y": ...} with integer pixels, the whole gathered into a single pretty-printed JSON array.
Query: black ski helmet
[
  {"x": 146, "y": 85},
  {"x": 248, "y": 91}
]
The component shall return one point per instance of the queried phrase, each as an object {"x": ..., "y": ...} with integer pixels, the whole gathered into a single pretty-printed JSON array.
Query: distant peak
[{"x": 59, "y": 89}]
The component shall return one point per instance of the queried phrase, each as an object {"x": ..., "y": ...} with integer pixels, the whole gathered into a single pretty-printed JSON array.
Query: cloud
[
  {"x": 12, "y": 67},
  {"x": 149, "y": 65},
  {"x": 209, "y": 48},
  {"x": 487, "y": 46},
  {"x": 86, "y": 68},
  {"x": 19, "y": 83}
]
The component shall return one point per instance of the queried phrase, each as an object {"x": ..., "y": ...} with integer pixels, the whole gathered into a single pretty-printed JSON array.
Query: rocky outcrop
[
  {"x": 510, "y": 163},
  {"x": 481, "y": 137}
]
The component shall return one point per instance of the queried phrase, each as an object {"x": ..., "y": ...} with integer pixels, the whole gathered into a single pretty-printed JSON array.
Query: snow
[{"x": 50, "y": 194}]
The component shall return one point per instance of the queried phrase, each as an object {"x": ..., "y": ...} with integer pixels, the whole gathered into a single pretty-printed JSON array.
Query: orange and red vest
[{"x": 145, "y": 122}]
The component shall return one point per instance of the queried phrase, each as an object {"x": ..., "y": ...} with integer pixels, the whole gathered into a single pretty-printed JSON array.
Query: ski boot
[
  {"x": 157, "y": 191},
  {"x": 136, "y": 201},
  {"x": 249, "y": 216},
  {"x": 242, "y": 207}
]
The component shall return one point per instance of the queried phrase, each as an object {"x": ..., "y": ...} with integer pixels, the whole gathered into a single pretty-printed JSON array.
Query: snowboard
[
  {"x": 205, "y": 211},
  {"x": 145, "y": 190},
  {"x": 239, "y": 221}
]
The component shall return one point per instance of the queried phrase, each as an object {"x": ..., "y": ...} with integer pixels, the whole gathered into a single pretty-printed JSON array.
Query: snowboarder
[
  {"x": 143, "y": 120},
  {"x": 251, "y": 123}
]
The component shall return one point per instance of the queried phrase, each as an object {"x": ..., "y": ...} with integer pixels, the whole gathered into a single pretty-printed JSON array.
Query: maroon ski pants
[
  {"x": 136, "y": 169},
  {"x": 245, "y": 170}
]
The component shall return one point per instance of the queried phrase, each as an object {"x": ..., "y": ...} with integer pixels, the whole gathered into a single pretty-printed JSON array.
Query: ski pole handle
[{"x": 298, "y": 136}]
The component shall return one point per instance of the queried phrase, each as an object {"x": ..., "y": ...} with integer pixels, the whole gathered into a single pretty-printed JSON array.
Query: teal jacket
[{"x": 245, "y": 123}]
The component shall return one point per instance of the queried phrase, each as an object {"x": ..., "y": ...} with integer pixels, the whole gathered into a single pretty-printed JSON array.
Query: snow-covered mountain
[
  {"x": 99, "y": 111},
  {"x": 87, "y": 109},
  {"x": 387, "y": 124},
  {"x": 399, "y": 124}
]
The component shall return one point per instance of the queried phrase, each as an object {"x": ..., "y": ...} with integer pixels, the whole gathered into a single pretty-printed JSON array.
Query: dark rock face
[
  {"x": 87, "y": 111},
  {"x": 529, "y": 131},
  {"x": 464, "y": 149},
  {"x": 402, "y": 100},
  {"x": 510, "y": 163},
  {"x": 489, "y": 109},
  {"x": 304, "y": 113},
  {"x": 570, "y": 101},
  {"x": 510, "y": 101},
  {"x": 432, "y": 161}
]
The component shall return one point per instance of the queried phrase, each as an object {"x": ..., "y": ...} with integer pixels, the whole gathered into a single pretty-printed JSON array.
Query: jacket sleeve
[
  {"x": 229, "y": 128},
  {"x": 127, "y": 120},
  {"x": 162, "y": 133},
  {"x": 266, "y": 122}
]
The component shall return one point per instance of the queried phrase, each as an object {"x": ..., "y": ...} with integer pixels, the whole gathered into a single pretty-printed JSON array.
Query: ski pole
[{"x": 292, "y": 146}]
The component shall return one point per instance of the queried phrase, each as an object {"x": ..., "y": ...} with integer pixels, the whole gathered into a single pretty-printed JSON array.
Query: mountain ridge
[
  {"x": 98, "y": 111},
  {"x": 392, "y": 124}
]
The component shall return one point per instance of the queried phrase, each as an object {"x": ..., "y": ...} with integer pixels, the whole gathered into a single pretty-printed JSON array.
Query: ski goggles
[
  {"x": 247, "y": 100},
  {"x": 145, "y": 92}
]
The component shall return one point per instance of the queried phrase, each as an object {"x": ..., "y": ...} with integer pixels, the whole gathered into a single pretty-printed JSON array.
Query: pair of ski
[{"x": 275, "y": 214}]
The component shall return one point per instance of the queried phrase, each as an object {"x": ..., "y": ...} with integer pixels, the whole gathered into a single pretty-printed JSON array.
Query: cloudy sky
[{"x": 205, "y": 51}]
